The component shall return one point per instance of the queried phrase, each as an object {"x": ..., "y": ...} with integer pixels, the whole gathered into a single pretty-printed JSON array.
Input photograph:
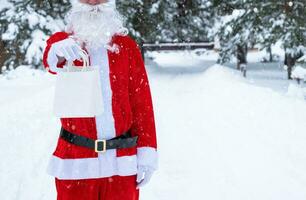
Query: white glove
[
  {"x": 144, "y": 175},
  {"x": 66, "y": 48}
]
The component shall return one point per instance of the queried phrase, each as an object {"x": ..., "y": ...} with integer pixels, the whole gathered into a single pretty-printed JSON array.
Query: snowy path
[
  {"x": 271, "y": 75},
  {"x": 220, "y": 138}
]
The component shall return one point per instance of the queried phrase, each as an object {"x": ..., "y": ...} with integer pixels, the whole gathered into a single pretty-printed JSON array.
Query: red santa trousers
[{"x": 109, "y": 188}]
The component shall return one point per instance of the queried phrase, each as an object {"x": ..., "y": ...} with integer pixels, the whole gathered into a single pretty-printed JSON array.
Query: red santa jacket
[{"x": 130, "y": 107}]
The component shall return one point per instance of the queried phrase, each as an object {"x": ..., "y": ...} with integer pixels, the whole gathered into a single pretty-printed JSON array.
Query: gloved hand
[
  {"x": 144, "y": 175},
  {"x": 67, "y": 49}
]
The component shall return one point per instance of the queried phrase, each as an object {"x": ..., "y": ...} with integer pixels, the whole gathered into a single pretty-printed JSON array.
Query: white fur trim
[
  {"x": 104, "y": 122},
  {"x": 84, "y": 168},
  {"x": 148, "y": 157}
]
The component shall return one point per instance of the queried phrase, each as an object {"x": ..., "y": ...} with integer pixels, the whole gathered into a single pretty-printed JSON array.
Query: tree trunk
[
  {"x": 242, "y": 51},
  {"x": 3, "y": 55},
  {"x": 289, "y": 62},
  {"x": 142, "y": 50},
  {"x": 269, "y": 50}
]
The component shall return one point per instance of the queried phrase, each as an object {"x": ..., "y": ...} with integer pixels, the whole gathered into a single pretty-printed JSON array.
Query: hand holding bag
[{"x": 78, "y": 91}]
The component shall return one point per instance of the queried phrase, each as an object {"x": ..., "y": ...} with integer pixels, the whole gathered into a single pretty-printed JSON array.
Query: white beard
[{"x": 95, "y": 25}]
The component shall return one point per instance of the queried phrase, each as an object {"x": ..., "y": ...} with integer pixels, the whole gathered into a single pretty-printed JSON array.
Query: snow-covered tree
[
  {"x": 240, "y": 30},
  {"x": 25, "y": 26},
  {"x": 264, "y": 23},
  {"x": 141, "y": 18},
  {"x": 185, "y": 20},
  {"x": 287, "y": 24},
  {"x": 167, "y": 21}
]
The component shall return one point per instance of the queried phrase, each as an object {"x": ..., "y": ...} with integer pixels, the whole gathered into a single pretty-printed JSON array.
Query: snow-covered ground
[{"x": 220, "y": 136}]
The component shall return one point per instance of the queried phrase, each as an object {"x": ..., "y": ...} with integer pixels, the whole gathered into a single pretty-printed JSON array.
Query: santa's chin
[{"x": 95, "y": 25}]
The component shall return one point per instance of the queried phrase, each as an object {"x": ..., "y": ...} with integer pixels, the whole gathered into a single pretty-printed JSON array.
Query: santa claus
[{"x": 107, "y": 157}]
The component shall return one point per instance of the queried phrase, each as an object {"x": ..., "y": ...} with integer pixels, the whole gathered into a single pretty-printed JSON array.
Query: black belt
[{"x": 123, "y": 141}]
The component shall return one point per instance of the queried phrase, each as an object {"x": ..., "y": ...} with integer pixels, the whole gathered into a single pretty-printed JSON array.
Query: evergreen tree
[
  {"x": 25, "y": 27},
  {"x": 167, "y": 21},
  {"x": 264, "y": 23},
  {"x": 240, "y": 31},
  {"x": 185, "y": 20},
  {"x": 286, "y": 23},
  {"x": 141, "y": 18}
]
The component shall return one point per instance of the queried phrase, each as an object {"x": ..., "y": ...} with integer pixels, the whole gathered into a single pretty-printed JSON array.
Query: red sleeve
[
  {"x": 141, "y": 100},
  {"x": 58, "y": 36}
]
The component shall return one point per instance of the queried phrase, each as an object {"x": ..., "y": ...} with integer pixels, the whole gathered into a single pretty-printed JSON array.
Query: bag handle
[{"x": 85, "y": 58}]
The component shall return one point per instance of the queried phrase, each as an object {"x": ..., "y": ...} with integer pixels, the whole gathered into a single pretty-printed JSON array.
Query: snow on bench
[
  {"x": 299, "y": 73},
  {"x": 178, "y": 46}
]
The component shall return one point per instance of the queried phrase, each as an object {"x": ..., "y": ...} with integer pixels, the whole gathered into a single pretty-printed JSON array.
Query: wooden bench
[{"x": 164, "y": 46}]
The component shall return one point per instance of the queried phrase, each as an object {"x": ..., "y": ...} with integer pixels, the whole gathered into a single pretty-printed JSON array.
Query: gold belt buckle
[{"x": 96, "y": 146}]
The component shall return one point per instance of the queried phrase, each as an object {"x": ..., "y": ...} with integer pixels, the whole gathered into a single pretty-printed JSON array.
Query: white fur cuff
[{"x": 147, "y": 156}]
